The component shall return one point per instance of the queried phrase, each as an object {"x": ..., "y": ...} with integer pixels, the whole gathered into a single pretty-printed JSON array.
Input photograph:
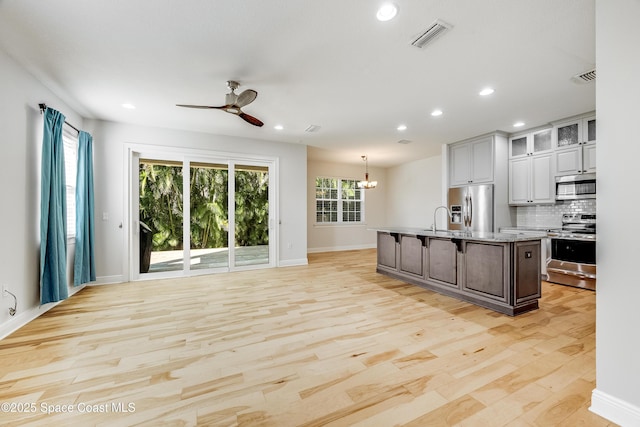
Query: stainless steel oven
[{"x": 573, "y": 252}]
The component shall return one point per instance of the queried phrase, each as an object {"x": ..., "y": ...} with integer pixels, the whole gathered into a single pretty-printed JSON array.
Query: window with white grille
[{"x": 339, "y": 201}]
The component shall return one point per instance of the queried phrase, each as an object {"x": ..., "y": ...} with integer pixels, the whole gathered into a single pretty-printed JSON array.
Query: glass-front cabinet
[
  {"x": 531, "y": 143},
  {"x": 575, "y": 142},
  {"x": 576, "y": 132}
]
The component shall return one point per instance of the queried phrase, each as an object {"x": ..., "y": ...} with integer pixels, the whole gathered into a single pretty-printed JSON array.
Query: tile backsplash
[{"x": 550, "y": 216}]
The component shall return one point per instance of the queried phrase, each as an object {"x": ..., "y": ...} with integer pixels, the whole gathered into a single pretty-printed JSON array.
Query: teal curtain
[
  {"x": 84, "y": 268},
  {"x": 53, "y": 212}
]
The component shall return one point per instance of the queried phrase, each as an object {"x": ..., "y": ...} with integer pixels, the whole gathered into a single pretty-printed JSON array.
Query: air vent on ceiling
[
  {"x": 586, "y": 77},
  {"x": 404, "y": 141},
  {"x": 312, "y": 128},
  {"x": 434, "y": 31}
]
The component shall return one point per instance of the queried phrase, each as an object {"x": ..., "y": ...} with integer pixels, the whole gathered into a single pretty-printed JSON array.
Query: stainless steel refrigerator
[{"x": 471, "y": 208}]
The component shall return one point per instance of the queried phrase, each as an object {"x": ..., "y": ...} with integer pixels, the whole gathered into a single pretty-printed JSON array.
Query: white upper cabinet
[
  {"x": 536, "y": 157},
  {"x": 569, "y": 161},
  {"x": 531, "y": 168},
  {"x": 589, "y": 130},
  {"x": 568, "y": 134},
  {"x": 471, "y": 162},
  {"x": 575, "y": 146},
  {"x": 588, "y": 158},
  {"x": 530, "y": 144},
  {"x": 531, "y": 180}
]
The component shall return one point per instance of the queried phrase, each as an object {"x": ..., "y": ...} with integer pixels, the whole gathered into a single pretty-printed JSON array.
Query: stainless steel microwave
[{"x": 573, "y": 187}]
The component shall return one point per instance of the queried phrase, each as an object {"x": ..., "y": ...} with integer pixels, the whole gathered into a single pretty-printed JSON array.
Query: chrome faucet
[{"x": 433, "y": 226}]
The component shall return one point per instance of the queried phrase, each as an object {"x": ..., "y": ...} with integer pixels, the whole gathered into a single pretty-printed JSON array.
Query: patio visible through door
[{"x": 220, "y": 210}]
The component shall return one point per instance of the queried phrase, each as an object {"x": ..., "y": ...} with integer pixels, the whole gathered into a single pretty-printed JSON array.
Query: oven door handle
[
  {"x": 581, "y": 239},
  {"x": 580, "y": 274}
]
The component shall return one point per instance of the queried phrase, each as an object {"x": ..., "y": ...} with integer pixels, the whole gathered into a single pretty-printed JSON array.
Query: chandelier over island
[{"x": 366, "y": 184}]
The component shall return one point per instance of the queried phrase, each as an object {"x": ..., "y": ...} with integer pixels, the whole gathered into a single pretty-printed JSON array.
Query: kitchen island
[{"x": 498, "y": 271}]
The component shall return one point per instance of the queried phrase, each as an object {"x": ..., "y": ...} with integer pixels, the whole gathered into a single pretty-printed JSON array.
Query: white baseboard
[
  {"x": 341, "y": 248},
  {"x": 615, "y": 410},
  {"x": 30, "y": 314},
  {"x": 108, "y": 280},
  {"x": 293, "y": 262}
]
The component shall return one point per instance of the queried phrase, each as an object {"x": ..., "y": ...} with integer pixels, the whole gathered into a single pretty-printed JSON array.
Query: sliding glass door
[
  {"x": 161, "y": 216},
  {"x": 209, "y": 216},
  {"x": 226, "y": 200},
  {"x": 251, "y": 213}
]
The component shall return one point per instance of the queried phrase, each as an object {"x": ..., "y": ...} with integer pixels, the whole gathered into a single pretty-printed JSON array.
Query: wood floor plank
[{"x": 331, "y": 343}]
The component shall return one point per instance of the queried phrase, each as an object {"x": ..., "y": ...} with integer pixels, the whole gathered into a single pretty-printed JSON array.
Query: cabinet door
[
  {"x": 482, "y": 160},
  {"x": 443, "y": 261},
  {"x": 542, "y": 182},
  {"x": 569, "y": 161},
  {"x": 386, "y": 250},
  {"x": 589, "y": 158},
  {"x": 541, "y": 141},
  {"x": 518, "y": 146},
  {"x": 519, "y": 184},
  {"x": 568, "y": 134},
  {"x": 411, "y": 255},
  {"x": 589, "y": 130},
  {"x": 460, "y": 164},
  {"x": 527, "y": 271},
  {"x": 486, "y": 270}
]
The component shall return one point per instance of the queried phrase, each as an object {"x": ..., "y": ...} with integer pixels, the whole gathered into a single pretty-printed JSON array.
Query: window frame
[
  {"x": 70, "y": 143},
  {"x": 340, "y": 201}
]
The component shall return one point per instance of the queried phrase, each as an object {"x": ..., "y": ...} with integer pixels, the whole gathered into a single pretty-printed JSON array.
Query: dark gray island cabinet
[{"x": 494, "y": 270}]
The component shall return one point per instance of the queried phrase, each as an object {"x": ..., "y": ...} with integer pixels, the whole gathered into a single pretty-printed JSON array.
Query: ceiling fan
[{"x": 234, "y": 103}]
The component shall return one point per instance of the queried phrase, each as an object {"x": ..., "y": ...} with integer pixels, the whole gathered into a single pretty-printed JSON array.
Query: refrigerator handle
[
  {"x": 470, "y": 210},
  {"x": 466, "y": 210}
]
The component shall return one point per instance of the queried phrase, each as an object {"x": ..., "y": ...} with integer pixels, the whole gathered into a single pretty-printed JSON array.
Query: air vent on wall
[
  {"x": 585, "y": 77},
  {"x": 434, "y": 31}
]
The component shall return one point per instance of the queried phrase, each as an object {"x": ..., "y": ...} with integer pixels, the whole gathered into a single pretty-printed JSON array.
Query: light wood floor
[{"x": 328, "y": 344}]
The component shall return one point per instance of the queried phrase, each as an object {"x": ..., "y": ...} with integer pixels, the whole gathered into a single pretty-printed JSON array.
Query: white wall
[
  {"x": 618, "y": 151},
  {"x": 20, "y": 145},
  {"x": 323, "y": 237},
  {"x": 414, "y": 190},
  {"x": 110, "y": 175}
]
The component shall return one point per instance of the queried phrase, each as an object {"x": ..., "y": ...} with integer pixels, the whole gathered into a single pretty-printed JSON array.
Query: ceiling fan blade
[
  {"x": 200, "y": 106},
  {"x": 250, "y": 119},
  {"x": 246, "y": 98}
]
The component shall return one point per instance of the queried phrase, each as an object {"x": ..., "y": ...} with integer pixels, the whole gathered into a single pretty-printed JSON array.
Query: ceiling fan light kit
[{"x": 234, "y": 103}]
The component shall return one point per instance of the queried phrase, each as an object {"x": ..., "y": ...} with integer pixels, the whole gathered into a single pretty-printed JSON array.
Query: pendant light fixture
[{"x": 366, "y": 184}]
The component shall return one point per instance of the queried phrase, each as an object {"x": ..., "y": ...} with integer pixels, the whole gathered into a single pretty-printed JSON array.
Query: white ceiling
[{"x": 325, "y": 62}]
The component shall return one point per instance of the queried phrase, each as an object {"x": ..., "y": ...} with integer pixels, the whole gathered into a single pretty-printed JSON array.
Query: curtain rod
[{"x": 44, "y": 107}]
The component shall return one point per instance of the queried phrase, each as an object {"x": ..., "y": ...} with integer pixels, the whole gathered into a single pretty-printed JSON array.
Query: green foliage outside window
[{"x": 161, "y": 206}]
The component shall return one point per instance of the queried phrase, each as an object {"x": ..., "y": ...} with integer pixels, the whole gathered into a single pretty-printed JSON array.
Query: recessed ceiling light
[
  {"x": 436, "y": 113},
  {"x": 128, "y": 106},
  {"x": 518, "y": 124},
  {"x": 278, "y": 127},
  {"x": 387, "y": 12},
  {"x": 486, "y": 91},
  {"x": 402, "y": 127}
]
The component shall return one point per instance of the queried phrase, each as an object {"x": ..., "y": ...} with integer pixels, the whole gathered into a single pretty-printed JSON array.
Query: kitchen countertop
[
  {"x": 465, "y": 235},
  {"x": 530, "y": 228}
]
